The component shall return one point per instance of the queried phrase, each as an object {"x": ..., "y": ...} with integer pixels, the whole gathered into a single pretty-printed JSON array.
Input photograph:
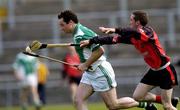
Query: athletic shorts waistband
[{"x": 162, "y": 67}]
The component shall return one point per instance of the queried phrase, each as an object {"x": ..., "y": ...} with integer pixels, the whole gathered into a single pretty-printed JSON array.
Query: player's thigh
[
  {"x": 32, "y": 80},
  {"x": 141, "y": 91},
  {"x": 73, "y": 87},
  {"x": 83, "y": 91},
  {"x": 109, "y": 97}
]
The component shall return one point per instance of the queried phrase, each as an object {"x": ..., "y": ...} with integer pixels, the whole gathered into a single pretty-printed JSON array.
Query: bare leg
[
  {"x": 82, "y": 94},
  {"x": 73, "y": 89},
  {"x": 166, "y": 99},
  {"x": 142, "y": 93},
  {"x": 111, "y": 101},
  {"x": 23, "y": 97},
  {"x": 35, "y": 95}
]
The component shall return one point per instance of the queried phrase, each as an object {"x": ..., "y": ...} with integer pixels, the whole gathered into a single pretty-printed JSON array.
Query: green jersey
[
  {"x": 83, "y": 33},
  {"x": 25, "y": 64}
]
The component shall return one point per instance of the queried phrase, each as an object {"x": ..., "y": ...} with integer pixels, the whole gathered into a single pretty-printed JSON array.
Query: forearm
[
  {"x": 103, "y": 40},
  {"x": 94, "y": 57},
  {"x": 128, "y": 32}
]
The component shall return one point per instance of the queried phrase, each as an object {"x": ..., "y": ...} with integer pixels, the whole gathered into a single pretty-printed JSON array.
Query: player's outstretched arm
[{"x": 107, "y": 40}]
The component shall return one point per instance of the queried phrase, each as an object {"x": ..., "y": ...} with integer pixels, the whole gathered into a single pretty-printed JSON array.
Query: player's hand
[
  {"x": 28, "y": 49},
  {"x": 84, "y": 43},
  {"x": 35, "y": 45},
  {"x": 107, "y": 30},
  {"x": 82, "y": 67}
]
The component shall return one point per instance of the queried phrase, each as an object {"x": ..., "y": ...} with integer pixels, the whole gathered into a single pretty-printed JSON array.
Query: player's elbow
[{"x": 112, "y": 105}]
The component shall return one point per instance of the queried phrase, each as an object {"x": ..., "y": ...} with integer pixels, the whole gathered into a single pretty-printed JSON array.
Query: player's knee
[{"x": 111, "y": 105}]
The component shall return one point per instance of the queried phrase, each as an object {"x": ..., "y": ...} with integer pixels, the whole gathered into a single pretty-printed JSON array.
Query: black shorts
[
  {"x": 74, "y": 80},
  {"x": 165, "y": 78}
]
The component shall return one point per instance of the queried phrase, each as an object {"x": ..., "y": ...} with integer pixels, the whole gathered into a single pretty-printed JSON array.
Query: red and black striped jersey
[{"x": 145, "y": 40}]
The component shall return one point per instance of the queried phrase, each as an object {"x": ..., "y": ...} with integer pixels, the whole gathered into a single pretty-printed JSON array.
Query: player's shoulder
[
  {"x": 83, "y": 33},
  {"x": 79, "y": 33}
]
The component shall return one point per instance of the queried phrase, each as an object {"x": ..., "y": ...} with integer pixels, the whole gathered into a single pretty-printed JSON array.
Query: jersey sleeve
[
  {"x": 145, "y": 34},
  {"x": 123, "y": 35},
  {"x": 103, "y": 40},
  {"x": 128, "y": 32},
  {"x": 108, "y": 40}
]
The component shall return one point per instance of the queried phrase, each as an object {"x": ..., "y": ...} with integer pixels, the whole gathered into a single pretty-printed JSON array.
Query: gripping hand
[{"x": 36, "y": 45}]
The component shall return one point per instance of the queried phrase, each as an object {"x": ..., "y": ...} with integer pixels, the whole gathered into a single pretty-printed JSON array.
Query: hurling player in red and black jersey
[{"x": 161, "y": 72}]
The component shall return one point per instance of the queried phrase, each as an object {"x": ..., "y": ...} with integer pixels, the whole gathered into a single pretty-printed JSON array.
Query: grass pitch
[{"x": 91, "y": 106}]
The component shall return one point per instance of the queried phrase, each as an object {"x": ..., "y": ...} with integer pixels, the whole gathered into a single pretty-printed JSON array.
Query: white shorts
[
  {"x": 30, "y": 80},
  {"x": 102, "y": 79}
]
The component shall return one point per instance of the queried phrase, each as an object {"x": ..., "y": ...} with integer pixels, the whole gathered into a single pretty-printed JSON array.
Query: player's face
[
  {"x": 66, "y": 27},
  {"x": 133, "y": 23}
]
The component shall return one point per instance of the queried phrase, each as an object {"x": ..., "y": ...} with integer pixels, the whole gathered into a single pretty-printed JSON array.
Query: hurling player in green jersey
[
  {"x": 25, "y": 69},
  {"x": 98, "y": 74}
]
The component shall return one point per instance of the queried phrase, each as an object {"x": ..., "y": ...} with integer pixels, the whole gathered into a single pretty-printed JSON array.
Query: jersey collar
[{"x": 76, "y": 28}]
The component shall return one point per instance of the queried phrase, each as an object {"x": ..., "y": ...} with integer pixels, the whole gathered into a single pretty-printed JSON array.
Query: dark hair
[
  {"x": 141, "y": 16},
  {"x": 68, "y": 15}
]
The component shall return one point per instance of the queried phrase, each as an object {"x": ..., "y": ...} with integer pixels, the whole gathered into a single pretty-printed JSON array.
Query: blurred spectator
[
  {"x": 3, "y": 8},
  {"x": 3, "y": 12},
  {"x": 70, "y": 73},
  {"x": 43, "y": 72},
  {"x": 25, "y": 69}
]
